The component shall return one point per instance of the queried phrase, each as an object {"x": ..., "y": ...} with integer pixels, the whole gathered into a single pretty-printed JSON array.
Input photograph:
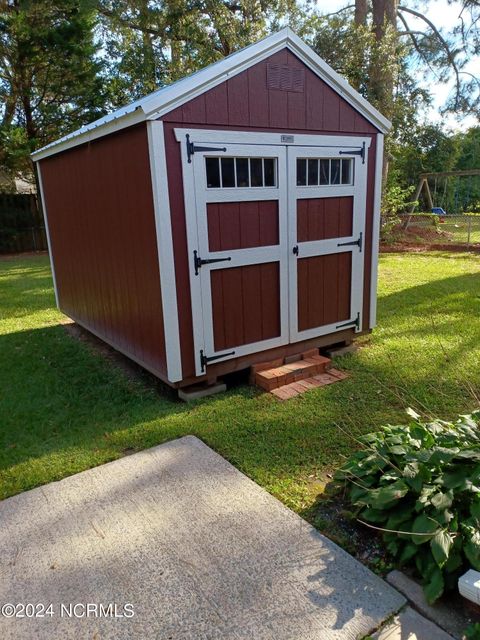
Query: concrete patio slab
[{"x": 195, "y": 548}]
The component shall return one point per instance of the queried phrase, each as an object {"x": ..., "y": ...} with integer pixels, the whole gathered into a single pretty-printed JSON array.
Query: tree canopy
[{"x": 62, "y": 64}]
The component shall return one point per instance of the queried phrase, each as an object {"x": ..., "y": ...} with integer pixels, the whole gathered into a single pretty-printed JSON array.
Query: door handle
[{"x": 295, "y": 250}]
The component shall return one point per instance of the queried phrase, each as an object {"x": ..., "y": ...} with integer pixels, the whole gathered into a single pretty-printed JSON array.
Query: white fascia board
[
  {"x": 176, "y": 95},
  {"x": 88, "y": 134},
  {"x": 208, "y": 78},
  {"x": 168, "y": 98},
  {"x": 339, "y": 84}
]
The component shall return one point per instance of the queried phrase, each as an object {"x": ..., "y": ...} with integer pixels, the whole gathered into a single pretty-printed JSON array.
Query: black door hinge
[
  {"x": 204, "y": 360},
  {"x": 358, "y": 242},
  {"x": 192, "y": 147},
  {"x": 198, "y": 262},
  {"x": 356, "y": 152},
  {"x": 354, "y": 323}
]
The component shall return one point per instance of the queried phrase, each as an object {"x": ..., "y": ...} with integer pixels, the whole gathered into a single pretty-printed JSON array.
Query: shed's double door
[{"x": 276, "y": 255}]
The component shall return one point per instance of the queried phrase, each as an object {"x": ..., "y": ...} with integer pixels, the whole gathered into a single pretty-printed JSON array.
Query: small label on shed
[{"x": 286, "y": 138}]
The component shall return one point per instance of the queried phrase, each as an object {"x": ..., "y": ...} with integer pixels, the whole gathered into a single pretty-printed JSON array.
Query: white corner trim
[
  {"x": 166, "y": 263},
  {"x": 172, "y": 96},
  {"x": 377, "y": 199},
  {"x": 47, "y": 231}
]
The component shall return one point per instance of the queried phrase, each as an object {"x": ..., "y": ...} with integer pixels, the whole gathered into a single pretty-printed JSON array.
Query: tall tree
[
  {"x": 49, "y": 74},
  {"x": 380, "y": 47},
  {"x": 151, "y": 43}
]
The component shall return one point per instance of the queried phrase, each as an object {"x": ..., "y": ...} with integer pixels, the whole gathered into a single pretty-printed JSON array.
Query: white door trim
[
  {"x": 376, "y": 229},
  {"x": 261, "y": 138},
  {"x": 196, "y": 196},
  {"x": 166, "y": 262},
  {"x": 329, "y": 246}
]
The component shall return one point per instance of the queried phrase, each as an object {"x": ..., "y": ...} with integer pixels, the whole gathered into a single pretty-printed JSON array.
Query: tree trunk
[
  {"x": 361, "y": 9},
  {"x": 383, "y": 76}
]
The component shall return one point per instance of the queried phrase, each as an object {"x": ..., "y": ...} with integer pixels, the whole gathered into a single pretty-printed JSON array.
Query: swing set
[{"x": 439, "y": 202}]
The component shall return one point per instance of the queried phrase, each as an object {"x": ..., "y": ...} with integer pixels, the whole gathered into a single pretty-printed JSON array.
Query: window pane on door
[
  {"x": 242, "y": 172},
  {"x": 324, "y": 171},
  {"x": 313, "y": 171},
  {"x": 347, "y": 173},
  {"x": 269, "y": 172},
  {"x": 228, "y": 172},
  {"x": 213, "y": 172},
  {"x": 256, "y": 172},
  {"x": 334, "y": 171},
  {"x": 301, "y": 172}
]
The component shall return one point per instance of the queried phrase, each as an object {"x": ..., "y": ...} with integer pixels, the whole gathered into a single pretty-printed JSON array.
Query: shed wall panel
[
  {"x": 247, "y": 104},
  {"x": 99, "y": 204}
]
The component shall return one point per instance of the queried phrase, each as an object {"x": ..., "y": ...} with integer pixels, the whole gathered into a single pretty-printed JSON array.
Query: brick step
[
  {"x": 291, "y": 372},
  {"x": 293, "y": 389}
]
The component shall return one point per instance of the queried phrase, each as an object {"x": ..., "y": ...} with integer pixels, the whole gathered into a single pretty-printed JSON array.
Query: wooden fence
[{"x": 21, "y": 224}]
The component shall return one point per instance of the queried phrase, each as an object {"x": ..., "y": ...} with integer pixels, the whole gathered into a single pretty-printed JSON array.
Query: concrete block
[
  {"x": 448, "y": 615},
  {"x": 189, "y": 394},
  {"x": 336, "y": 352},
  {"x": 410, "y": 625}
]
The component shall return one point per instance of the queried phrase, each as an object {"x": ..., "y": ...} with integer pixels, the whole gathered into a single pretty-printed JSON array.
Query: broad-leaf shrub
[{"x": 420, "y": 484}]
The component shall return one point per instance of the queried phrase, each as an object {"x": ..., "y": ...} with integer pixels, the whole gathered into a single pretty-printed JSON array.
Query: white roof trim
[{"x": 172, "y": 96}]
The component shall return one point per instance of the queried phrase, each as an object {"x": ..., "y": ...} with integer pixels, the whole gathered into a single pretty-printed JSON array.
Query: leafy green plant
[
  {"x": 472, "y": 632},
  {"x": 419, "y": 484},
  {"x": 395, "y": 200}
]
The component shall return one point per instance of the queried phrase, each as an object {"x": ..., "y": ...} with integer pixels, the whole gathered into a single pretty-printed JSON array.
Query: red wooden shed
[{"x": 227, "y": 219}]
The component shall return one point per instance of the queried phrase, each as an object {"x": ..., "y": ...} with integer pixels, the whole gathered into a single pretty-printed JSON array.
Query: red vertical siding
[
  {"x": 244, "y": 102},
  {"x": 100, "y": 212},
  {"x": 245, "y": 304},
  {"x": 324, "y": 284}
]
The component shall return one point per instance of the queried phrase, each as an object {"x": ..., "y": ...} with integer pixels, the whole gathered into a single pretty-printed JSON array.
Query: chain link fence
[{"x": 453, "y": 231}]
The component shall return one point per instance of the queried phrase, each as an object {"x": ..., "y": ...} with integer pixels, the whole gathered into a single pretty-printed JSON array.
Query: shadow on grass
[{"x": 64, "y": 408}]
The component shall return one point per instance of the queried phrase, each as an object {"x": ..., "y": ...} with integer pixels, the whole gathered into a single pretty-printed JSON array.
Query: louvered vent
[{"x": 285, "y": 78}]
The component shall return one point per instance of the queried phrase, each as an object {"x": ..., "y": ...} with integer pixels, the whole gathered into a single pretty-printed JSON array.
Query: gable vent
[{"x": 285, "y": 77}]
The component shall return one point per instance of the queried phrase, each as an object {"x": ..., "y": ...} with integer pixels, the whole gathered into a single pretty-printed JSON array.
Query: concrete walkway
[{"x": 197, "y": 549}]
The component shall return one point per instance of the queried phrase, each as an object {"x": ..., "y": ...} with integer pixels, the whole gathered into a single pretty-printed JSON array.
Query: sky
[{"x": 443, "y": 15}]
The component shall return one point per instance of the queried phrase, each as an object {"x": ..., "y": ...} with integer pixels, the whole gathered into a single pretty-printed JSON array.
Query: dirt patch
[
  {"x": 333, "y": 516},
  {"x": 131, "y": 369},
  {"x": 405, "y": 247}
]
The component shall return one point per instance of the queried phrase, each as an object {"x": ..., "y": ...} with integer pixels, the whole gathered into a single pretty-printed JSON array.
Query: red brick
[
  {"x": 341, "y": 375},
  {"x": 263, "y": 366},
  {"x": 285, "y": 393},
  {"x": 309, "y": 354},
  {"x": 322, "y": 363}
]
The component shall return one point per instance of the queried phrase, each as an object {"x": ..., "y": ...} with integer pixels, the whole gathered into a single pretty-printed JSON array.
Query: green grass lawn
[{"x": 65, "y": 408}]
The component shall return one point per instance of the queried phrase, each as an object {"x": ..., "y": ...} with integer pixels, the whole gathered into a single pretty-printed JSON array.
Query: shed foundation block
[{"x": 195, "y": 392}]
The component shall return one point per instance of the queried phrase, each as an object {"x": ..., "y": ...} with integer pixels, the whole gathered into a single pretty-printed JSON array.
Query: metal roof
[{"x": 167, "y": 98}]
